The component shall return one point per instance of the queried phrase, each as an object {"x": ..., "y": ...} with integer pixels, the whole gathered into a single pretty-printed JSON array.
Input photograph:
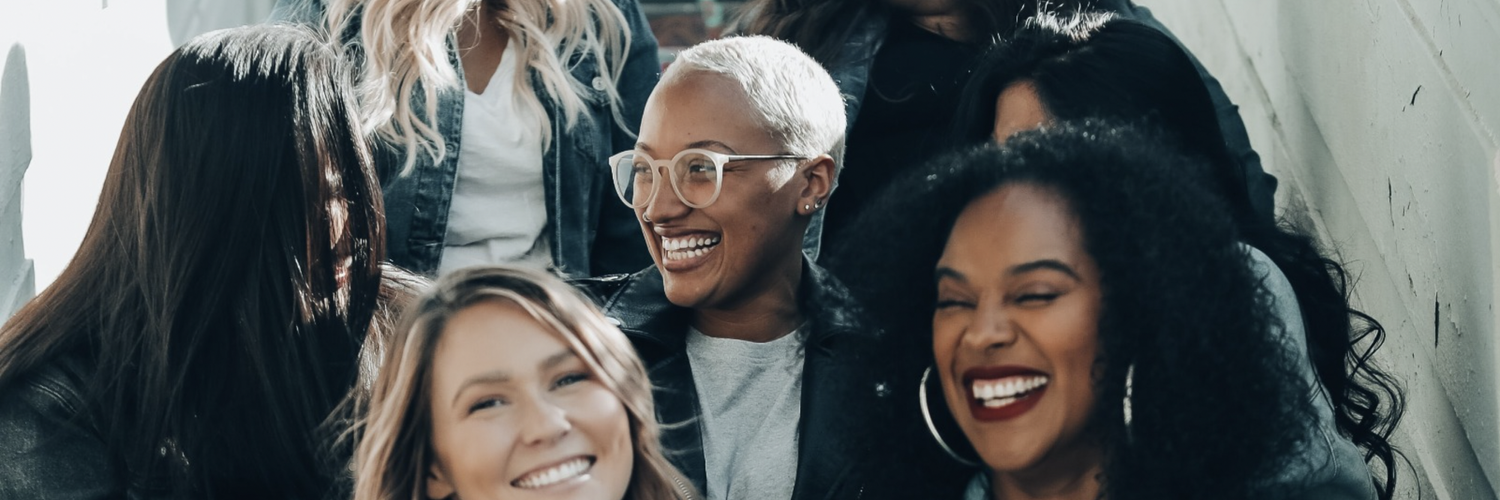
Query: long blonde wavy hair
[
  {"x": 394, "y": 453},
  {"x": 405, "y": 60}
]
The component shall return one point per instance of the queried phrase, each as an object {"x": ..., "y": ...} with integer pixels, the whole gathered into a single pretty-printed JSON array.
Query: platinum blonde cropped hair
[
  {"x": 394, "y": 454},
  {"x": 793, "y": 95},
  {"x": 406, "y": 60}
]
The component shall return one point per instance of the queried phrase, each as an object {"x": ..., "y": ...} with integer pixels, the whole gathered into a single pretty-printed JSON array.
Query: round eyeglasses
[{"x": 696, "y": 175}]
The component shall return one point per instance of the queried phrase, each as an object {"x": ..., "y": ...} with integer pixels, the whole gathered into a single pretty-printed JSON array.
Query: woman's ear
[
  {"x": 438, "y": 486},
  {"x": 819, "y": 175}
]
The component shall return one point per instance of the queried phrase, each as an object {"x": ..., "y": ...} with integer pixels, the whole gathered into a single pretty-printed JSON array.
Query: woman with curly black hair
[
  {"x": 1099, "y": 65},
  {"x": 1098, "y": 329}
]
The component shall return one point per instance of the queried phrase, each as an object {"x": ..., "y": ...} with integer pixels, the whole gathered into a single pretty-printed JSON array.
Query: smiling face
[
  {"x": 1015, "y": 332},
  {"x": 749, "y": 240},
  {"x": 517, "y": 414}
]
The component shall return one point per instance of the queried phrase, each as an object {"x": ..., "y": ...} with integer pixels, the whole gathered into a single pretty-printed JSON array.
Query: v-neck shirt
[{"x": 499, "y": 197}]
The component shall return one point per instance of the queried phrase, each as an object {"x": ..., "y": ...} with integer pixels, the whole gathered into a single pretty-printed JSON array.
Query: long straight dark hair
[
  {"x": 1097, "y": 65},
  {"x": 229, "y": 275}
]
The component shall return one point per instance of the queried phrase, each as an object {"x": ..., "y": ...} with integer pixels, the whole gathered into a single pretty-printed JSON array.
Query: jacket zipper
[{"x": 686, "y": 493}]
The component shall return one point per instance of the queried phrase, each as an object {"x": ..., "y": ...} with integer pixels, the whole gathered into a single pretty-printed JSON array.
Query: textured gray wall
[
  {"x": 16, "y": 274},
  {"x": 1380, "y": 118}
]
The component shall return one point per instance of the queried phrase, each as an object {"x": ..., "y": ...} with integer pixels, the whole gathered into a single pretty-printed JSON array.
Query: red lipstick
[{"x": 1016, "y": 390}]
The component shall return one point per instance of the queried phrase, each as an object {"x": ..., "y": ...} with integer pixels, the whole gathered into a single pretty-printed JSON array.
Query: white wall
[
  {"x": 86, "y": 60},
  {"x": 1380, "y": 118}
]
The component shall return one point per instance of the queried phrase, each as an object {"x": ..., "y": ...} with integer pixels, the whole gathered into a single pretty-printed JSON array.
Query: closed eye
[
  {"x": 1035, "y": 299},
  {"x": 952, "y": 304}
]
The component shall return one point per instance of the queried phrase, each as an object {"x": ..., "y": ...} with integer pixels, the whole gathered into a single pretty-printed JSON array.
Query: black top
[{"x": 906, "y": 116}]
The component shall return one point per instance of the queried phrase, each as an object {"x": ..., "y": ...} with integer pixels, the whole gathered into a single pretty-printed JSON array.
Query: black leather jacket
[
  {"x": 844, "y": 399},
  {"x": 48, "y": 447}
]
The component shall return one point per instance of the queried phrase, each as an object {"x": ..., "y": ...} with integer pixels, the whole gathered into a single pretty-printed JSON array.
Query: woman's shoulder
[
  {"x": 54, "y": 388},
  {"x": 51, "y": 448}
]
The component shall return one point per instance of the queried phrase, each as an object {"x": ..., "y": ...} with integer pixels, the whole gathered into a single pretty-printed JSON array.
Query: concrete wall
[
  {"x": 1380, "y": 118},
  {"x": 86, "y": 60},
  {"x": 16, "y": 272}
]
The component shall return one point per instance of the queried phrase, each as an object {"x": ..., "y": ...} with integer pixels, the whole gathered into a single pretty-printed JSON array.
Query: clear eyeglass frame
[{"x": 624, "y": 180}]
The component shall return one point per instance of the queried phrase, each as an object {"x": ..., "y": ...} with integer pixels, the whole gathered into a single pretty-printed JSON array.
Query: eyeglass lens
[{"x": 695, "y": 174}]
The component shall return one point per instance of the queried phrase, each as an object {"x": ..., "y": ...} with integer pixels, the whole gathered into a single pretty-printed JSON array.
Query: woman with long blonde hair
[
  {"x": 506, "y": 383},
  {"x": 495, "y": 120}
]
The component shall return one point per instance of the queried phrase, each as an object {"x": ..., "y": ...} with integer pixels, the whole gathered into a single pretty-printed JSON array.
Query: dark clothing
[
  {"x": 858, "y": 72},
  {"x": 589, "y": 231},
  {"x": 906, "y": 115},
  {"x": 842, "y": 400},
  {"x": 48, "y": 449}
]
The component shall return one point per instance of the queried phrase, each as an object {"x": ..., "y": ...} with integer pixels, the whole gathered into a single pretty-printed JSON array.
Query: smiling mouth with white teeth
[
  {"x": 687, "y": 248},
  {"x": 1006, "y": 391},
  {"x": 578, "y": 467}
]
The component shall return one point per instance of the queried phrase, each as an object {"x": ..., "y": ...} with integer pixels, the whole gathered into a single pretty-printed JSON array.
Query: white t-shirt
[
  {"x": 499, "y": 199},
  {"x": 751, "y": 395}
]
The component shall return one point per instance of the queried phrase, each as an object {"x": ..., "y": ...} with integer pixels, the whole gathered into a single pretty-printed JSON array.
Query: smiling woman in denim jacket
[
  {"x": 901, "y": 65},
  {"x": 496, "y": 119}
]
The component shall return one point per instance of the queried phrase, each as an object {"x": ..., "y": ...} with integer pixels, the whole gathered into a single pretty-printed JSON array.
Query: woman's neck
[
  {"x": 1072, "y": 475},
  {"x": 481, "y": 44},
  {"x": 766, "y": 315}
]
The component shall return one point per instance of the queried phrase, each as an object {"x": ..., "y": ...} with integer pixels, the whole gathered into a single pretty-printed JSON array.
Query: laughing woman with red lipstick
[
  {"x": 1096, "y": 332},
  {"x": 756, "y": 354}
]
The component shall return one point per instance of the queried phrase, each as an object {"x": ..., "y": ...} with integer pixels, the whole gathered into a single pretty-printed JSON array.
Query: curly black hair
[
  {"x": 1098, "y": 65},
  {"x": 1216, "y": 401}
]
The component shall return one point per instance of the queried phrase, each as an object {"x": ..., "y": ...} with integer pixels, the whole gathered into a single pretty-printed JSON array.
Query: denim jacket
[
  {"x": 852, "y": 73},
  {"x": 589, "y": 231}
]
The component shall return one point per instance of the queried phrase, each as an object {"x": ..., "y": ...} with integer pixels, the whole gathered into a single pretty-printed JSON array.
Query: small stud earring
[{"x": 807, "y": 207}]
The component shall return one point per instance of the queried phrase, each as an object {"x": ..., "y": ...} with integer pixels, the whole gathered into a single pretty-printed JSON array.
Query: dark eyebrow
[
  {"x": 1053, "y": 264},
  {"x": 704, "y": 144},
  {"x": 1018, "y": 269},
  {"x": 947, "y": 272}
]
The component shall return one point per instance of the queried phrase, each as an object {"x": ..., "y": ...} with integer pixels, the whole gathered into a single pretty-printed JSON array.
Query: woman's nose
[
  {"x": 664, "y": 205},
  {"x": 993, "y": 327},
  {"x": 544, "y": 423}
]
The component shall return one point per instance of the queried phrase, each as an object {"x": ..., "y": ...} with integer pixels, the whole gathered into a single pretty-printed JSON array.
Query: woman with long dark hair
[
  {"x": 1097, "y": 328},
  {"x": 901, "y": 65},
  {"x": 1098, "y": 65},
  {"x": 210, "y": 322}
]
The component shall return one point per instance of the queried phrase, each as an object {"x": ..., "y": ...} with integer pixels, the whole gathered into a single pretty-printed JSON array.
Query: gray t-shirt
[{"x": 751, "y": 394}]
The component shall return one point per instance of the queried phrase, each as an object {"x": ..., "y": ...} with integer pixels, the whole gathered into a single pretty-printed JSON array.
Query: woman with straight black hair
[
  {"x": 210, "y": 322},
  {"x": 901, "y": 65},
  {"x": 1097, "y": 65}
]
